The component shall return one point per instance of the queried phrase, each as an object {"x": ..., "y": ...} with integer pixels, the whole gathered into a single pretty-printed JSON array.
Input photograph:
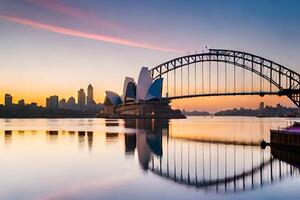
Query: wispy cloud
[
  {"x": 77, "y": 13},
  {"x": 86, "y": 35}
]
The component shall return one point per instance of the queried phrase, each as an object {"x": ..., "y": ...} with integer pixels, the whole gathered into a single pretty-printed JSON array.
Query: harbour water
[{"x": 193, "y": 158}]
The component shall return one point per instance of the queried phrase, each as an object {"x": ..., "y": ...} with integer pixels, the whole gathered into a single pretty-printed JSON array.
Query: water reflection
[
  {"x": 81, "y": 139},
  {"x": 211, "y": 161},
  {"x": 90, "y": 140},
  {"x": 112, "y": 136},
  {"x": 147, "y": 139},
  {"x": 130, "y": 143},
  {"x": 8, "y": 137},
  {"x": 52, "y": 136},
  {"x": 210, "y": 165},
  {"x": 290, "y": 156},
  {"x": 71, "y": 133}
]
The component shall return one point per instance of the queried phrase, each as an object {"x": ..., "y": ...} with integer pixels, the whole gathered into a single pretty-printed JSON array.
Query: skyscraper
[
  {"x": 261, "y": 108},
  {"x": 62, "y": 104},
  {"x": 52, "y": 102},
  {"x": 81, "y": 99},
  {"x": 8, "y": 100},
  {"x": 71, "y": 103},
  {"x": 90, "y": 95}
]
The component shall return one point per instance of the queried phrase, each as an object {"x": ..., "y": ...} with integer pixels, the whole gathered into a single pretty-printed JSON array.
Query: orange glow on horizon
[
  {"x": 215, "y": 104},
  {"x": 40, "y": 97}
]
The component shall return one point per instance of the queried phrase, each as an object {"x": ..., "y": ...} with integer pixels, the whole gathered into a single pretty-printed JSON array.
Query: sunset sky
[{"x": 58, "y": 46}]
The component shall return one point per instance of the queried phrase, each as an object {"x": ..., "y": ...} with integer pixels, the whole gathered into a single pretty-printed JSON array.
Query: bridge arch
[
  {"x": 284, "y": 79},
  {"x": 220, "y": 166}
]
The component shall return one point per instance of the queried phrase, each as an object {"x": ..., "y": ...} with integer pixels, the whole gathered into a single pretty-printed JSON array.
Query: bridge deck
[{"x": 222, "y": 94}]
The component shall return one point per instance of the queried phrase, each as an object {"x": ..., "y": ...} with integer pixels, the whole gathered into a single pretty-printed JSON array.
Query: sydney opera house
[{"x": 139, "y": 100}]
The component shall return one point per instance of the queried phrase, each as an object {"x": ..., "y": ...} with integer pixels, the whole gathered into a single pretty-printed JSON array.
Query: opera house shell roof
[
  {"x": 113, "y": 97},
  {"x": 129, "y": 89},
  {"x": 155, "y": 90},
  {"x": 145, "y": 90},
  {"x": 144, "y": 83}
]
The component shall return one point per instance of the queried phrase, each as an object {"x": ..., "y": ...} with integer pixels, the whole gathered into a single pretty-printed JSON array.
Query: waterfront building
[
  {"x": 52, "y": 102},
  {"x": 261, "y": 108},
  {"x": 62, "y": 104},
  {"x": 91, "y": 104},
  {"x": 8, "y": 100},
  {"x": 21, "y": 102},
  {"x": 90, "y": 95},
  {"x": 33, "y": 105},
  {"x": 71, "y": 104},
  {"x": 140, "y": 101},
  {"x": 47, "y": 102},
  {"x": 81, "y": 99}
]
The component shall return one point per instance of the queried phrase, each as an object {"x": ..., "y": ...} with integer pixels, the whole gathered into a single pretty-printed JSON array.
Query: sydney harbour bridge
[
  {"x": 220, "y": 72},
  {"x": 215, "y": 72}
]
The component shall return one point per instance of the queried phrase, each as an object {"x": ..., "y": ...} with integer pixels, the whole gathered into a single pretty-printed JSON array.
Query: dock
[{"x": 288, "y": 137}]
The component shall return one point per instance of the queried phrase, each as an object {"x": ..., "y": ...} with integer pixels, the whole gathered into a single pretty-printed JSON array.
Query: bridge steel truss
[{"x": 286, "y": 80}]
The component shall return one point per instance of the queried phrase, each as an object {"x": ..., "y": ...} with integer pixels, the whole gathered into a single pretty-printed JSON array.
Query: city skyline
[
  {"x": 78, "y": 44},
  {"x": 83, "y": 102}
]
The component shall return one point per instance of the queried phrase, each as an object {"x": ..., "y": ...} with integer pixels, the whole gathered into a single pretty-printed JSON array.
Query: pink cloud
[
  {"x": 71, "y": 11},
  {"x": 86, "y": 35}
]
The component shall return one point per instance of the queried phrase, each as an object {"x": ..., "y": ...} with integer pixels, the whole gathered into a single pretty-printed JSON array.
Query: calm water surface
[{"x": 194, "y": 158}]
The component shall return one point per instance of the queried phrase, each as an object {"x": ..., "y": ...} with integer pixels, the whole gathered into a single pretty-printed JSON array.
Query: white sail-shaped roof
[
  {"x": 129, "y": 89},
  {"x": 113, "y": 97},
  {"x": 144, "y": 83}
]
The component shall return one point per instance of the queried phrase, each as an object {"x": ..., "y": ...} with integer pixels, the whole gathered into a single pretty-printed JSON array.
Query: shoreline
[{"x": 86, "y": 116}]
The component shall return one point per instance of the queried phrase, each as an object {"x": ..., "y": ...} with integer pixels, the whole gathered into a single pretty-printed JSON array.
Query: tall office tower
[
  {"x": 62, "y": 104},
  {"x": 81, "y": 99},
  {"x": 261, "y": 106},
  {"x": 90, "y": 95},
  {"x": 47, "y": 102},
  {"x": 52, "y": 102},
  {"x": 71, "y": 103},
  {"x": 8, "y": 100}
]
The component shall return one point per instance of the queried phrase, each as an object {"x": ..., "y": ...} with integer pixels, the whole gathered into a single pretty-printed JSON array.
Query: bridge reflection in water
[{"x": 218, "y": 166}]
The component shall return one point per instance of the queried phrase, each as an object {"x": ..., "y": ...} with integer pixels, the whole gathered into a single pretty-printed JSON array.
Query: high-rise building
[
  {"x": 62, "y": 104},
  {"x": 71, "y": 104},
  {"x": 81, "y": 99},
  {"x": 261, "y": 106},
  {"x": 52, "y": 102},
  {"x": 21, "y": 102},
  {"x": 47, "y": 102},
  {"x": 90, "y": 95},
  {"x": 8, "y": 100}
]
